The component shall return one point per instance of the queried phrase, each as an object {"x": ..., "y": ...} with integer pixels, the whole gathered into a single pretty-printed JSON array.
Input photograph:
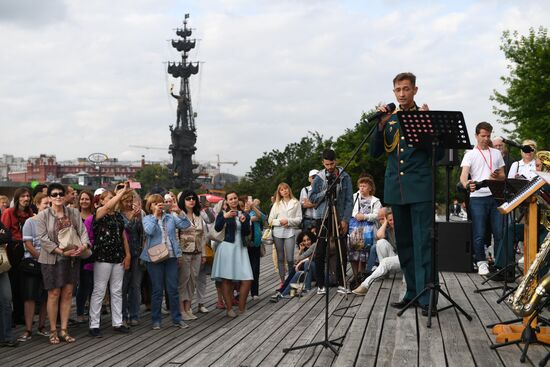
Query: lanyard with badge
[{"x": 490, "y": 163}]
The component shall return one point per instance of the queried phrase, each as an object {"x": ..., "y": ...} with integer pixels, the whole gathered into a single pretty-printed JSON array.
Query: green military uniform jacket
[{"x": 408, "y": 177}]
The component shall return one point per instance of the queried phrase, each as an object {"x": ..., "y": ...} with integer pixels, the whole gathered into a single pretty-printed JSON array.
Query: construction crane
[
  {"x": 219, "y": 163},
  {"x": 147, "y": 147}
]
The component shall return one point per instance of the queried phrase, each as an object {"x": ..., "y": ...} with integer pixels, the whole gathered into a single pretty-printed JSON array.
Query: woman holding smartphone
[
  {"x": 160, "y": 228},
  {"x": 285, "y": 217},
  {"x": 231, "y": 262}
]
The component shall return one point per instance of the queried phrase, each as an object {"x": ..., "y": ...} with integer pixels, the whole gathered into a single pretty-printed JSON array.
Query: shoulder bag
[
  {"x": 159, "y": 252},
  {"x": 4, "y": 262},
  {"x": 215, "y": 235}
]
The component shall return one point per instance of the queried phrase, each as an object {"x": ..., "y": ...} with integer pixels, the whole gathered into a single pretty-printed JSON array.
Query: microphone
[
  {"x": 524, "y": 148},
  {"x": 377, "y": 114}
]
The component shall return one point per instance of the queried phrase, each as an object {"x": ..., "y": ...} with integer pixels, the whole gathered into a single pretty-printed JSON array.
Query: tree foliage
[
  {"x": 525, "y": 105},
  {"x": 290, "y": 165},
  {"x": 154, "y": 178}
]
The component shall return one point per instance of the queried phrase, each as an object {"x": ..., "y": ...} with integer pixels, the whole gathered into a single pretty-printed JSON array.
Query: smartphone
[
  {"x": 135, "y": 185},
  {"x": 202, "y": 200},
  {"x": 249, "y": 199}
]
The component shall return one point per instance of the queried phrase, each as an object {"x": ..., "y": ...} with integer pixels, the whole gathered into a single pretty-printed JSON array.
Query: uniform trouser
[
  {"x": 387, "y": 265},
  {"x": 413, "y": 225},
  {"x": 321, "y": 252},
  {"x": 131, "y": 290},
  {"x": 105, "y": 273},
  {"x": 6, "y": 333},
  {"x": 504, "y": 254}
]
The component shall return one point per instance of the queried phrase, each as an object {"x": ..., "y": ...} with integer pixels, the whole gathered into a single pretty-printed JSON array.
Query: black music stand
[{"x": 433, "y": 130}]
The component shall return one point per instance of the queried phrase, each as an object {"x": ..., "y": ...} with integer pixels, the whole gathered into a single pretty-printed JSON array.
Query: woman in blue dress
[{"x": 231, "y": 261}]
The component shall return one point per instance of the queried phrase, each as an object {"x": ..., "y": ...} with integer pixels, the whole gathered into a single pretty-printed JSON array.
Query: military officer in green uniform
[{"x": 408, "y": 189}]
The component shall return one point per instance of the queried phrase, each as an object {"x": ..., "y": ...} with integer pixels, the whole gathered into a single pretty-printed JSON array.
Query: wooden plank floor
[{"x": 373, "y": 334}]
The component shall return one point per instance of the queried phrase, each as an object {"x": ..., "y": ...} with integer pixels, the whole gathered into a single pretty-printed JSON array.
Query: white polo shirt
[{"x": 482, "y": 163}]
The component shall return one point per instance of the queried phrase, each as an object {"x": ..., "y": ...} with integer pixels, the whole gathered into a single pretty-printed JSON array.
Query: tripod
[
  {"x": 440, "y": 129},
  {"x": 329, "y": 228}
]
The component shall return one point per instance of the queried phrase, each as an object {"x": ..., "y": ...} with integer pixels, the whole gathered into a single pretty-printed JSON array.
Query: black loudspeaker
[
  {"x": 450, "y": 158},
  {"x": 454, "y": 245}
]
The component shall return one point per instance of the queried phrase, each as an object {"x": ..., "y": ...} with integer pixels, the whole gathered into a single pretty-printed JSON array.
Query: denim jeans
[
  {"x": 161, "y": 273},
  {"x": 295, "y": 277},
  {"x": 285, "y": 251},
  {"x": 131, "y": 290},
  {"x": 481, "y": 209},
  {"x": 5, "y": 308}
]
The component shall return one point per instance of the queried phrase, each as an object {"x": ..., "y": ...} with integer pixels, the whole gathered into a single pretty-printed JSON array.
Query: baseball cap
[
  {"x": 313, "y": 172},
  {"x": 99, "y": 191}
]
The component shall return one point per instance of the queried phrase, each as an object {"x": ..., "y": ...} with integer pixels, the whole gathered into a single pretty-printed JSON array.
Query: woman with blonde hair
[
  {"x": 112, "y": 258},
  {"x": 160, "y": 227},
  {"x": 285, "y": 217}
]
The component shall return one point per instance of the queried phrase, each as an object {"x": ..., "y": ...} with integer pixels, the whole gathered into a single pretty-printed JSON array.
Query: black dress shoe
[
  {"x": 425, "y": 310},
  {"x": 401, "y": 304}
]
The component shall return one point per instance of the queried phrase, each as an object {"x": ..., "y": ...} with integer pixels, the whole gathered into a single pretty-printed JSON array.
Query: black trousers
[
  {"x": 321, "y": 253},
  {"x": 254, "y": 255},
  {"x": 15, "y": 252}
]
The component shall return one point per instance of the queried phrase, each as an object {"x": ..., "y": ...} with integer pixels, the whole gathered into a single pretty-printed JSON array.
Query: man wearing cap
[{"x": 308, "y": 209}]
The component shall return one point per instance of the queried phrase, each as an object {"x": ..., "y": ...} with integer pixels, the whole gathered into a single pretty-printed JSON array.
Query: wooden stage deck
[{"x": 373, "y": 334}]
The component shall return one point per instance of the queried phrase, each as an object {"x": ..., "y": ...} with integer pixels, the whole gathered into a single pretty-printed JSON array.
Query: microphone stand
[{"x": 331, "y": 230}]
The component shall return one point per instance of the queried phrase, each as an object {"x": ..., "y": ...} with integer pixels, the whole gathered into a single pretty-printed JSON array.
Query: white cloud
[{"x": 93, "y": 79}]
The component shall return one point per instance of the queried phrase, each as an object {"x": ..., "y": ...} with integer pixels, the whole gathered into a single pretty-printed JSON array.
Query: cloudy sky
[{"x": 79, "y": 77}]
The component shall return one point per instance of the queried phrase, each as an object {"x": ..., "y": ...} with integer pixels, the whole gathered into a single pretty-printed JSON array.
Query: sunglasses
[
  {"x": 56, "y": 194},
  {"x": 189, "y": 198}
]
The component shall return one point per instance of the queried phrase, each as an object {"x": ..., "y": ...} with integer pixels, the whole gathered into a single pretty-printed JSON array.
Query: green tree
[
  {"x": 153, "y": 177},
  {"x": 290, "y": 165},
  {"x": 524, "y": 107},
  {"x": 363, "y": 163}
]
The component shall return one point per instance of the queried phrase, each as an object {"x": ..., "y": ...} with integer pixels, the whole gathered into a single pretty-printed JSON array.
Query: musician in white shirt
[
  {"x": 483, "y": 163},
  {"x": 526, "y": 167}
]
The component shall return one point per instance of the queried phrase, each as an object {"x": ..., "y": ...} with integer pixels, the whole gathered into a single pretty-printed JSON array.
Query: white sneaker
[
  {"x": 203, "y": 309},
  {"x": 343, "y": 290},
  {"x": 482, "y": 268},
  {"x": 321, "y": 290},
  {"x": 191, "y": 314},
  {"x": 186, "y": 317}
]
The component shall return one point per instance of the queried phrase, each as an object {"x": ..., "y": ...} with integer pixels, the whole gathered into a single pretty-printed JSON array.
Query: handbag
[
  {"x": 4, "y": 261},
  {"x": 215, "y": 235},
  {"x": 267, "y": 236},
  {"x": 68, "y": 238},
  {"x": 159, "y": 252},
  {"x": 30, "y": 266},
  {"x": 209, "y": 254}
]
